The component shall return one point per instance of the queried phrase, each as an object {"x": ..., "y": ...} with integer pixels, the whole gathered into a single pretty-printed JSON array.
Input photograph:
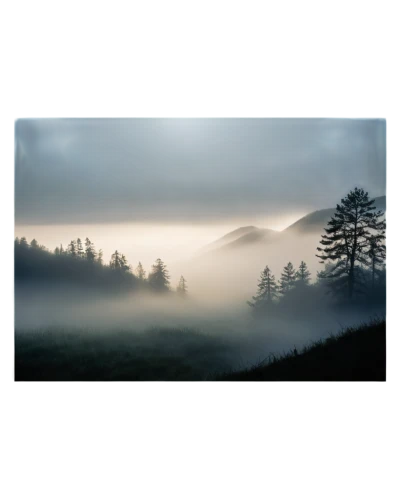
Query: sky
[{"x": 191, "y": 171}]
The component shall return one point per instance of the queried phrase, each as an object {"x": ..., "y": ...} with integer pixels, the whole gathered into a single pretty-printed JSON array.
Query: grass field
[{"x": 185, "y": 354}]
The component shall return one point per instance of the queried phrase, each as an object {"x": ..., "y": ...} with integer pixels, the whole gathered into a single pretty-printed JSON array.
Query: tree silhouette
[
  {"x": 23, "y": 243},
  {"x": 34, "y": 243},
  {"x": 90, "y": 252},
  {"x": 115, "y": 262},
  {"x": 267, "y": 289},
  {"x": 347, "y": 239},
  {"x": 72, "y": 249},
  {"x": 100, "y": 257},
  {"x": 79, "y": 248},
  {"x": 288, "y": 279},
  {"x": 159, "y": 276},
  {"x": 140, "y": 272},
  {"x": 303, "y": 275},
  {"x": 182, "y": 286}
]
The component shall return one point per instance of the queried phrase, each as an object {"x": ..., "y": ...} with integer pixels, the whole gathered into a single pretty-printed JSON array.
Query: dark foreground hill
[{"x": 357, "y": 354}]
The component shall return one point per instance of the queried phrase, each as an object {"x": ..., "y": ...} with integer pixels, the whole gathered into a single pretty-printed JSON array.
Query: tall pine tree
[
  {"x": 267, "y": 289},
  {"x": 288, "y": 279},
  {"x": 159, "y": 276},
  {"x": 303, "y": 275},
  {"x": 140, "y": 272},
  {"x": 346, "y": 241},
  {"x": 182, "y": 286}
]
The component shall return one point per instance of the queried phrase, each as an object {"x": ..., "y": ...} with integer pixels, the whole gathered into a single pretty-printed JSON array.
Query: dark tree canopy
[
  {"x": 288, "y": 279},
  {"x": 303, "y": 275},
  {"x": 267, "y": 289},
  {"x": 159, "y": 276},
  {"x": 347, "y": 240}
]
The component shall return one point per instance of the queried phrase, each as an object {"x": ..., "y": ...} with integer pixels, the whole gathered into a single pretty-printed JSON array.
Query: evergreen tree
[
  {"x": 56, "y": 251},
  {"x": 288, "y": 279},
  {"x": 303, "y": 275},
  {"x": 34, "y": 244},
  {"x": 72, "y": 250},
  {"x": 100, "y": 257},
  {"x": 267, "y": 289},
  {"x": 61, "y": 249},
  {"x": 159, "y": 276},
  {"x": 115, "y": 262},
  {"x": 90, "y": 251},
  {"x": 140, "y": 272},
  {"x": 23, "y": 243},
  {"x": 124, "y": 264},
  {"x": 182, "y": 286},
  {"x": 346, "y": 241},
  {"x": 79, "y": 248}
]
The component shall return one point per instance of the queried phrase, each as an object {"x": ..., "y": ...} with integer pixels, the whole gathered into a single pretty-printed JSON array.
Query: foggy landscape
[{"x": 192, "y": 248}]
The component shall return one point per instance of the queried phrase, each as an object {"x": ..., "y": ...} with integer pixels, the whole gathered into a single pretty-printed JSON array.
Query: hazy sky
[
  {"x": 76, "y": 171},
  {"x": 167, "y": 187}
]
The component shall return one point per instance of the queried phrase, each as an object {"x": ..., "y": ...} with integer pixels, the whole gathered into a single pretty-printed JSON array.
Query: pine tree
[
  {"x": 288, "y": 279},
  {"x": 23, "y": 243},
  {"x": 56, "y": 251},
  {"x": 115, "y": 262},
  {"x": 303, "y": 275},
  {"x": 140, "y": 272},
  {"x": 34, "y": 244},
  {"x": 90, "y": 252},
  {"x": 346, "y": 241},
  {"x": 124, "y": 264},
  {"x": 182, "y": 286},
  {"x": 61, "y": 249},
  {"x": 72, "y": 250},
  {"x": 79, "y": 248},
  {"x": 100, "y": 257},
  {"x": 267, "y": 289},
  {"x": 159, "y": 276}
]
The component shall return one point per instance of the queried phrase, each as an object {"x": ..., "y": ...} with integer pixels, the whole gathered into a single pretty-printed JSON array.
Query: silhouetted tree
[
  {"x": 159, "y": 276},
  {"x": 124, "y": 264},
  {"x": 267, "y": 289},
  {"x": 347, "y": 239},
  {"x": 115, "y": 262},
  {"x": 100, "y": 257},
  {"x": 288, "y": 278},
  {"x": 90, "y": 251},
  {"x": 79, "y": 248},
  {"x": 140, "y": 272},
  {"x": 56, "y": 251},
  {"x": 23, "y": 243},
  {"x": 303, "y": 275},
  {"x": 34, "y": 244},
  {"x": 72, "y": 250},
  {"x": 182, "y": 286}
]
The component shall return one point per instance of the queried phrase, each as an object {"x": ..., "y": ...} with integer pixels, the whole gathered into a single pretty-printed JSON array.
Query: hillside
[
  {"x": 358, "y": 354},
  {"x": 316, "y": 221}
]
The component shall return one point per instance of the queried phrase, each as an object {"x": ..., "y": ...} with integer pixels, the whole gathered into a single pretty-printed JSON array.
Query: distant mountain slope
[
  {"x": 228, "y": 238},
  {"x": 258, "y": 235},
  {"x": 316, "y": 221}
]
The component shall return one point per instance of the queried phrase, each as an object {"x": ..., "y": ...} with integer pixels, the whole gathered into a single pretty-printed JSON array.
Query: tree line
[
  {"x": 353, "y": 250},
  {"x": 91, "y": 263}
]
